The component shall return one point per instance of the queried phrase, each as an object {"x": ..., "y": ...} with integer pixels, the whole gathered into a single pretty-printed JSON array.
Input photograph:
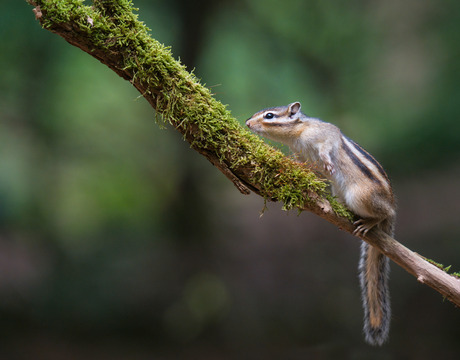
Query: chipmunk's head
[{"x": 277, "y": 123}]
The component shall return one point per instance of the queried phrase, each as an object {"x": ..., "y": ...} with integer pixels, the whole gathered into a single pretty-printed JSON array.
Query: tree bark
[{"x": 110, "y": 32}]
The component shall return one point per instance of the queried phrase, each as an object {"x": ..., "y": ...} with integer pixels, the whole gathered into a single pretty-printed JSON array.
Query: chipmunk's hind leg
[{"x": 364, "y": 225}]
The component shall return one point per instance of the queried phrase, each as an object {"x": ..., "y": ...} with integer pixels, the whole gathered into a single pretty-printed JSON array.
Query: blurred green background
[{"x": 119, "y": 242}]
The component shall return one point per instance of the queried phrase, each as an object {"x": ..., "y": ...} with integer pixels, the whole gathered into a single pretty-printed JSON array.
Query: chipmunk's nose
[{"x": 248, "y": 123}]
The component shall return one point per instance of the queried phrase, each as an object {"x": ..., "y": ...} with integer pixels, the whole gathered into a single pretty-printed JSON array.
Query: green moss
[
  {"x": 446, "y": 269},
  {"x": 432, "y": 262},
  {"x": 112, "y": 27},
  {"x": 340, "y": 209}
]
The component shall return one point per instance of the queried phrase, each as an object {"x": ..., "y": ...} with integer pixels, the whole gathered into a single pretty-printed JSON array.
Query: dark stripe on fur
[
  {"x": 364, "y": 169},
  {"x": 274, "y": 123},
  {"x": 370, "y": 158}
]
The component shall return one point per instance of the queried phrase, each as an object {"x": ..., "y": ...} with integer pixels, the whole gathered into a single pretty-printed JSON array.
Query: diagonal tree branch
[{"x": 111, "y": 32}]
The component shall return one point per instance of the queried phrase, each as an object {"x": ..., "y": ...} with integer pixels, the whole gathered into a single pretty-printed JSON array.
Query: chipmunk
[{"x": 358, "y": 181}]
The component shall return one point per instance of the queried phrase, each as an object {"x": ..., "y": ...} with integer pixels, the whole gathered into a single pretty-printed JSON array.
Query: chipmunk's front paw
[{"x": 329, "y": 168}]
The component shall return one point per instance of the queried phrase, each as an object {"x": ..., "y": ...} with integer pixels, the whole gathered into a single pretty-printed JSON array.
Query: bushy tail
[{"x": 374, "y": 269}]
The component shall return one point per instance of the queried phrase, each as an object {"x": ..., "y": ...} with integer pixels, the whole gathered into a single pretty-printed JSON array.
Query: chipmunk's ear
[{"x": 294, "y": 109}]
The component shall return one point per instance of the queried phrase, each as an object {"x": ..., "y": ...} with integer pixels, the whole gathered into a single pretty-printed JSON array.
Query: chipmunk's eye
[{"x": 269, "y": 116}]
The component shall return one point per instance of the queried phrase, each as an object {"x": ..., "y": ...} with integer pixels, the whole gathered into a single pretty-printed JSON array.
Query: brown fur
[{"x": 358, "y": 181}]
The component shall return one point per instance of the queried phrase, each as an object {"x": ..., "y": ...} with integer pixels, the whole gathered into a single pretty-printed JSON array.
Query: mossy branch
[{"x": 110, "y": 31}]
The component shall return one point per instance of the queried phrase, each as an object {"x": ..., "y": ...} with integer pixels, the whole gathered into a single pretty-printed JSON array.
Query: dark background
[{"x": 119, "y": 242}]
